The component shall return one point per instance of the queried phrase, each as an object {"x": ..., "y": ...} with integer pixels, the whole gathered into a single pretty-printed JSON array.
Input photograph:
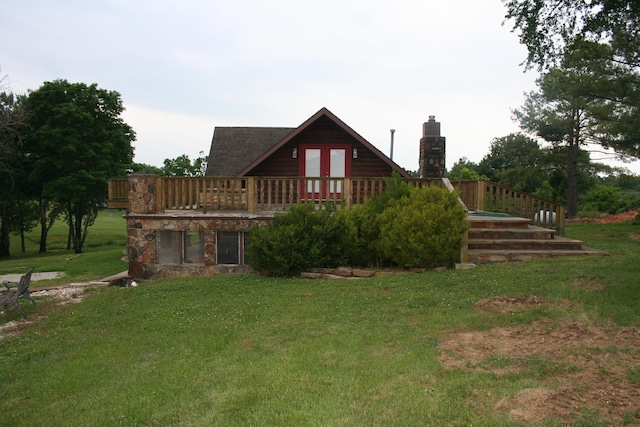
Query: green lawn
[
  {"x": 101, "y": 257},
  {"x": 248, "y": 350}
]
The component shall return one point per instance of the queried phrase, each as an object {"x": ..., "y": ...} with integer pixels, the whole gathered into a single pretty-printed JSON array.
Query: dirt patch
[
  {"x": 63, "y": 295},
  {"x": 590, "y": 284},
  {"x": 505, "y": 304},
  {"x": 634, "y": 236},
  {"x": 581, "y": 366},
  {"x": 607, "y": 219}
]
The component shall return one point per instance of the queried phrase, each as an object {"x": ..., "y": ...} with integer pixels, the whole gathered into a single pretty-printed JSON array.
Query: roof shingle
[{"x": 234, "y": 148}]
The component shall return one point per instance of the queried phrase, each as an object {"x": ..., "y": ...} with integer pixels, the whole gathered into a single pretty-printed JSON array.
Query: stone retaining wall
[{"x": 142, "y": 244}]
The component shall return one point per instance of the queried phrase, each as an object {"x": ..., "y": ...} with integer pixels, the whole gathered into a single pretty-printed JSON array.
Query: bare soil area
[
  {"x": 584, "y": 367},
  {"x": 62, "y": 295},
  {"x": 607, "y": 219}
]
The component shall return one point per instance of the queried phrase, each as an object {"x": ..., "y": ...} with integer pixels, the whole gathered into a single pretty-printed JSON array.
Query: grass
[
  {"x": 101, "y": 255},
  {"x": 248, "y": 350}
]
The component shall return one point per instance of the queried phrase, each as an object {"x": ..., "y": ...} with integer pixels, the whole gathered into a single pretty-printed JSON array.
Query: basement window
[
  {"x": 230, "y": 247},
  {"x": 181, "y": 247}
]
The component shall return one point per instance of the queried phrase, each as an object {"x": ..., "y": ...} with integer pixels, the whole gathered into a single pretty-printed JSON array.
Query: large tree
[
  {"x": 602, "y": 39},
  {"x": 569, "y": 111},
  {"x": 12, "y": 127},
  {"x": 77, "y": 142},
  {"x": 182, "y": 166},
  {"x": 516, "y": 161},
  {"x": 549, "y": 28}
]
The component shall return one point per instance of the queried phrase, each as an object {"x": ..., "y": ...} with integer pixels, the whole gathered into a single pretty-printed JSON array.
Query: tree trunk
[
  {"x": 44, "y": 230},
  {"x": 572, "y": 170},
  {"x": 23, "y": 244},
  {"x": 5, "y": 235}
]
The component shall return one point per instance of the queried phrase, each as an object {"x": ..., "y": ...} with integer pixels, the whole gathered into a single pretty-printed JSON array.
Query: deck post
[
  {"x": 347, "y": 191},
  {"x": 159, "y": 193},
  {"x": 482, "y": 196},
  {"x": 251, "y": 195}
]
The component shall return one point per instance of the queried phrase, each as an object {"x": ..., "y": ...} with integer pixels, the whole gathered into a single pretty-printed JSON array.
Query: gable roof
[
  {"x": 244, "y": 148},
  {"x": 232, "y": 148}
]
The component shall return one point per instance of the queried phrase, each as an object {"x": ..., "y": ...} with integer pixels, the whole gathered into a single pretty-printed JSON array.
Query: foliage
[
  {"x": 298, "y": 240},
  {"x": 13, "y": 118},
  {"x": 610, "y": 199},
  {"x": 516, "y": 161},
  {"x": 599, "y": 40},
  {"x": 365, "y": 247},
  {"x": 182, "y": 166},
  {"x": 567, "y": 111},
  {"x": 464, "y": 169},
  {"x": 425, "y": 229},
  {"x": 143, "y": 168},
  {"x": 77, "y": 142},
  {"x": 402, "y": 226},
  {"x": 549, "y": 28}
]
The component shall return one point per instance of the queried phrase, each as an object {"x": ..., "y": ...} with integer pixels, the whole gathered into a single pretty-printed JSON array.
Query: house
[
  {"x": 178, "y": 226},
  {"x": 201, "y": 225},
  {"x": 322, "y": 146}
]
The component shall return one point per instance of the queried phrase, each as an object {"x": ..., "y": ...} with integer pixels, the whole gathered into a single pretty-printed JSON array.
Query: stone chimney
[{"x": 432, "y": 150}]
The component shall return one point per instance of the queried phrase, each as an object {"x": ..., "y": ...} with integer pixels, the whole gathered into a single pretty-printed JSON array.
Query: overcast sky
[{"x": 183, "y": 68}]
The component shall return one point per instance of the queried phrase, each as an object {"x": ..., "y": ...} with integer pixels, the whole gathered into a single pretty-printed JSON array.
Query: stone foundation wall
[{"x": 142, "y": 234}]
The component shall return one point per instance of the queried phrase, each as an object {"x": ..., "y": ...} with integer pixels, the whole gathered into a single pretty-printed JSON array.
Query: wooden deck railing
[
  {"x": 254, "y": 194},
  {"x": 491, "y": 197}
]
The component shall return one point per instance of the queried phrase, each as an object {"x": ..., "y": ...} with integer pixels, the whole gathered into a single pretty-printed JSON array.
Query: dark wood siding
[{"x": 322, "y": 131}]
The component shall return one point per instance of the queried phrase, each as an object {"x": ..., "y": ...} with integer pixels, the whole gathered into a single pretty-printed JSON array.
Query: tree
[
  {"x": 568, "y": 111},
  {"x": 77, "y": 142},
  {"x": 464, "y": 169},
  {"x": 549, "y": 28},
  {"x": 144, "y": 168},
  {"x": 516, "y": 161},
  {"x": 603, "y": 36},
  {"x": 182, "y": 166},
  {"x": 12, "y": 126}
]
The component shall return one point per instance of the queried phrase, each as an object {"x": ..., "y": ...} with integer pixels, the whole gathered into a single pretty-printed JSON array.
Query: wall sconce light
[
  {"x": 355, "y": 153},
  {"x": 294, "y": 155}
]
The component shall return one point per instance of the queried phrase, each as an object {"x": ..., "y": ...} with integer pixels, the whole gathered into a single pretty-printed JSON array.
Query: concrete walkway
[{"x": 15, "y": 278}]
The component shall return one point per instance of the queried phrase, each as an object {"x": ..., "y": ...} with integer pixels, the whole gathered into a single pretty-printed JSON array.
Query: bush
[
  {"x": 365, "y": 247},
  {"x": 611, "y": 200},
  {"x": 425, "y": 229},
  {"x": 403, "y": 226},
  {"x": 298, "y": 240}
]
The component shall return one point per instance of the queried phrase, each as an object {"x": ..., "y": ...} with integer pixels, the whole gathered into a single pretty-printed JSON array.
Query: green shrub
[
  {"x": 402, "y": 226},
  {"x": 365, "y": 249},
  {"x": 611, "y": 200},
  {"x": 298, "y": 240},
  {"x": 425, "y": 229}
]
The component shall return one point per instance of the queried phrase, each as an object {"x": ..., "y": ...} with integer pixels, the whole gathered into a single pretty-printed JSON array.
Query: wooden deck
[{"x": 263, "y": 196}]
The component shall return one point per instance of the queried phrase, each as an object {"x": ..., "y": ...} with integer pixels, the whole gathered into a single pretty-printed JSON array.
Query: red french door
[{"x": 327, "y": 161}]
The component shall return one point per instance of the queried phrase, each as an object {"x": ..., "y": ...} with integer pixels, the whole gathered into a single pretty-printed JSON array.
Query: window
[
  {"x": 230, "y": 247},
  {"x": 181, "y": 247},
  {"x": 324, "y": 161}
]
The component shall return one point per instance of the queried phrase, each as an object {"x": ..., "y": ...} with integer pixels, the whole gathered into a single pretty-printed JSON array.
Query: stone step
[
  {"x": 525, "y": 244},
  {"x": 504, "y": 238},
  {"x": 484, "y": 256},
  {"x": 497, "y": 222},
  {"x": 511, "y": 233}
]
